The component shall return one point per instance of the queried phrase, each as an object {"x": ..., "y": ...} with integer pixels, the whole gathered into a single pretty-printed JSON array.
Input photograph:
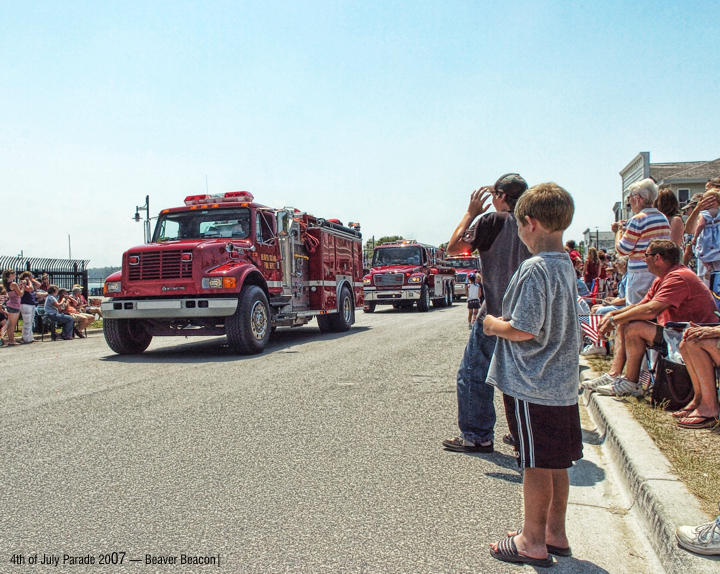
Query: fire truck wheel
[
  {"x": 248, "y": 329},
  {"x": 424, "y": 301},
  {"x": 369, "y": 308},
  {"x": 343, "y": 319},
  {"x": 126, "y": 336}
]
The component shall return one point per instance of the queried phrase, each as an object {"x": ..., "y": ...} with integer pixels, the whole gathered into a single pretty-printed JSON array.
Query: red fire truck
[
  {"x": 227, "y": 265},
  {"x": 464, "y": 266},
  {"x": 407, "y": 272}
]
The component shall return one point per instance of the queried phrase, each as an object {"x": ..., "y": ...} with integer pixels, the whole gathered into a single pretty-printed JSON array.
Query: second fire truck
[{"x": 404, "y": 273}]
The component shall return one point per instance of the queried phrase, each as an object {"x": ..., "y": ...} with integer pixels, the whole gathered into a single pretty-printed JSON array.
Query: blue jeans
[
  {"x": 638, "y": 284},
  {"x": 66, "y": 321},
  {"x": 476, "y": 410}
]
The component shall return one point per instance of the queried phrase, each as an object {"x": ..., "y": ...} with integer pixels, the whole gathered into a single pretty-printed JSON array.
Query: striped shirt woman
[{"x": 647, "y": 224}]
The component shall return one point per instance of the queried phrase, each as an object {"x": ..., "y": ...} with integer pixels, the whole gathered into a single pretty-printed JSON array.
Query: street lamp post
[{"x": 146, "y": 209}]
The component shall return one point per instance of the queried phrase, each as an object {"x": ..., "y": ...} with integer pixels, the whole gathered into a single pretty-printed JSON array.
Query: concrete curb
[{"x": 662, "y": 501}]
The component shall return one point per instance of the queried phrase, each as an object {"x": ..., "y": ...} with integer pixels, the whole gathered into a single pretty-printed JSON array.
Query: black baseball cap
[{"x": 511, "y": 184}]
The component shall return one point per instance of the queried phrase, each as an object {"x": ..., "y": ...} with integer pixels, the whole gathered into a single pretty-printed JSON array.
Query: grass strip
[{"x": 693, "y": 454}]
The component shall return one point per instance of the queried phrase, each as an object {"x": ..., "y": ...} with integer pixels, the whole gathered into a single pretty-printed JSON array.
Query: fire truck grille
[
  {"x": 160, "y": 265},
  {"x": 461, "y": 277},
  {"x": 389, "y": 280}
]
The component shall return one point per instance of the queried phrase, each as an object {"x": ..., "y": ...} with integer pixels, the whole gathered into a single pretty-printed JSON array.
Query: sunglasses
[{"x": 651, "y": 254}]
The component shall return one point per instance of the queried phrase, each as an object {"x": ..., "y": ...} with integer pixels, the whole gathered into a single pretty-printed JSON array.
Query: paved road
[{"x": 321, "y": 455}]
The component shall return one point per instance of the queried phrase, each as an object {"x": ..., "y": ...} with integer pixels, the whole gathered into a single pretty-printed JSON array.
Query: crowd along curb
[{"x": 663, "y": 501}]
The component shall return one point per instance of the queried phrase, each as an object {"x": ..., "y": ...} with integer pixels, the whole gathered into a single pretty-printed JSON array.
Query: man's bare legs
[
  {"x": 701, "y": 356},
  {"x": 638, "y": 336}
]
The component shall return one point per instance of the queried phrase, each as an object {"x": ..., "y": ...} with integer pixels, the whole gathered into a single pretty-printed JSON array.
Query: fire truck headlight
[
  {"x": 212, "y": 282},
  {"x": 367, "y": 280},
  {"x": 113, "y": 287},
  {"x": 219, "y": 282},
  {"x": 415, "y": 279}
]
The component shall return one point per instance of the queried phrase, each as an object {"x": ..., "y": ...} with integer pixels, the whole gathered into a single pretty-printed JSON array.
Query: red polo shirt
[{"x": 687, "y": 296}]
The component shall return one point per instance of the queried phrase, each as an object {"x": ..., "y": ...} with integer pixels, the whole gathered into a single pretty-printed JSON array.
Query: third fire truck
[
  {"x": 225, "y": 265},
  {"x": 404, "y": 273},
  {"x": 464, "y": 266}
]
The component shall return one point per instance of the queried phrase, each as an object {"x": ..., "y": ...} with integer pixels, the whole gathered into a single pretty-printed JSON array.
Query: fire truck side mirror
[{"x": 284, "y": 223}]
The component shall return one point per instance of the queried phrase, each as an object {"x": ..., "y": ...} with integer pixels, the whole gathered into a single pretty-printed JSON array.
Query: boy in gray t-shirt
[{"x": 535, "y": 365}]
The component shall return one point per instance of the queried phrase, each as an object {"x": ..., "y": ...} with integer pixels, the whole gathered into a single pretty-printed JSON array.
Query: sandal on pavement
[
  {"x": 459, "y": 444},
  {"x": 508, "y": 552},
  {"x": 508, "y": 439},
  {"x": 551, "y": 548},
  {"x": 697, "y": 422}
]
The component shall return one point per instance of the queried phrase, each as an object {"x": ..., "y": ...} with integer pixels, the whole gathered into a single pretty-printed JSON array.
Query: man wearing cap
[{"x": 495, "y": 237}]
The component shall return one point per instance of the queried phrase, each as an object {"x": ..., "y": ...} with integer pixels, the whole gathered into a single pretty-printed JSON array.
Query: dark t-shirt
[{"x": 495, "y": 236}]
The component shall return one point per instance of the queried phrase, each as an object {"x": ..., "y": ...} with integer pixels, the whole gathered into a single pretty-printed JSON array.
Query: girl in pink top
[{"x": 14, "y": 292}]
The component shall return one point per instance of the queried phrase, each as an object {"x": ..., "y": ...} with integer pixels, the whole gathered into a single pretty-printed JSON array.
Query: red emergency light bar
[
  {"x": 235, "y": 196},
  {"x": 244, "y": 196},
  {"x": 196, "y": 199}
]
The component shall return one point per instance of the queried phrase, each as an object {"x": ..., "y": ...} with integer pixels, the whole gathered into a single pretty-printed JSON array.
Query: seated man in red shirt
[{"x": 676, "y": 295}]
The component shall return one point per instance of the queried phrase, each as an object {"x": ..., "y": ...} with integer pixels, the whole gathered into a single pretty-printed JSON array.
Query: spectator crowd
[
  {"x": 40, "y": 306},
  {"x": 663, "y": 276}
]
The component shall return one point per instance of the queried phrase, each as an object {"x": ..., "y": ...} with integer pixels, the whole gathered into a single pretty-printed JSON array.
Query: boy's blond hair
[{"x": 549, "y": 203}]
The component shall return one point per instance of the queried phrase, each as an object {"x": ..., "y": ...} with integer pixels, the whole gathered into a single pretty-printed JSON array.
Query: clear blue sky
[{"x": 387, "y": 113}]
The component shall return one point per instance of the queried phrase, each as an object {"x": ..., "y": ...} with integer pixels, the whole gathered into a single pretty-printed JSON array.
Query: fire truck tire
[
  {"x": 423, "y": 303},
  {"x": 126, "y": 336},
  {"x": 369, "y": 308},
  {"x": 343, "y": 319},
  {"x": 248, "y": 329}
]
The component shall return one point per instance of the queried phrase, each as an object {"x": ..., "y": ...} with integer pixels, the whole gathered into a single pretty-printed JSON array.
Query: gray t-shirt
[{"x": 540, "y": 299}]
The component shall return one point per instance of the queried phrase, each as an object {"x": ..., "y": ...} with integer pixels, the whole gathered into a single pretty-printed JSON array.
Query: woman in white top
[{"x": 473, "y": 299}]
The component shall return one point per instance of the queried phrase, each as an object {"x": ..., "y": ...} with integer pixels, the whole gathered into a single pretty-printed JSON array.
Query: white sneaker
[
  {"x": 592, "y": 350},
  {"x": 703, "y": 539},
  {"x": 603, "y": 379},
  {"x": 620, "y": 387}
]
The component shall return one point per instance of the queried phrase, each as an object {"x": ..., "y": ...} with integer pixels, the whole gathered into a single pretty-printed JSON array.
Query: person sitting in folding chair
[{"x": 676, "y": 295}]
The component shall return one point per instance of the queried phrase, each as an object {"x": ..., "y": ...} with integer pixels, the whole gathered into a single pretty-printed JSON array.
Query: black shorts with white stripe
[{"x": 546, "y": 436}]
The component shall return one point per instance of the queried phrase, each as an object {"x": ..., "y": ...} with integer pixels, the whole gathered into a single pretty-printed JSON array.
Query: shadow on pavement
[
  {"x": 505, "y": 461},
  {"x": 586, "y": 473},
  {"x": 216, "y": 350},
  {"x": 574, "y": 565}
]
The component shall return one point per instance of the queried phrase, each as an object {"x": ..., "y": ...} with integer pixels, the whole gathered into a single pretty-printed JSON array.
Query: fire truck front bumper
[
  {"x": 168, "y": 308},
  {"x": 407, "y": 293}
]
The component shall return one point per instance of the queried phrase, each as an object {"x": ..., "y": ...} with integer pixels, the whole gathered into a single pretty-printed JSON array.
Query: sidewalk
[{"x": 661, "y": 500}]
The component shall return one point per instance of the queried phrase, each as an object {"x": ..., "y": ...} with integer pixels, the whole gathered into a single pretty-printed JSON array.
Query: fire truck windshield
[
  {"x": 203, "y": 224},
  {"x": 466, "y": 263},
  {"x": 397, "y": 256}
]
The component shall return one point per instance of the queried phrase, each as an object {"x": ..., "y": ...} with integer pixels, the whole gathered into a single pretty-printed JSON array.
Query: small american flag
[
  {"x": 589, "y": 325},
  {"x": 588, "y": 322}
]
